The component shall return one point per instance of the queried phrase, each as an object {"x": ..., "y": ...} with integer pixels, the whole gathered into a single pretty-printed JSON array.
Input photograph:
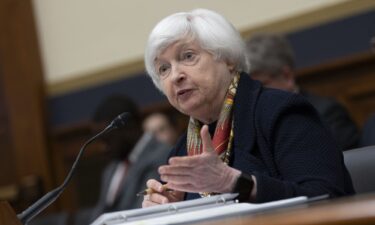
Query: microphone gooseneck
[
  {"x": 51, "y": 196},
  {"x": 120, "y": 120}
]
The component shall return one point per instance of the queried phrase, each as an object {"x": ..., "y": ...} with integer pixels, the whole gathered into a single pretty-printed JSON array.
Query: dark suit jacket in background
[
  {"x": 152, "y": 155},
  {"x": 280, "y": 139},
  {"x": 337, "y": 118},
  {"x": 368, "y": 134}
]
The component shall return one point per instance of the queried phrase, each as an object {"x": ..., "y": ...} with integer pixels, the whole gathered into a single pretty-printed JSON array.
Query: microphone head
[{"x": 120, "y": 120}]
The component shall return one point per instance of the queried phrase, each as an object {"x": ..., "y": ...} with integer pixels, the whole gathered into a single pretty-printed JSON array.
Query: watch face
[{"x": 243, "y": 187}]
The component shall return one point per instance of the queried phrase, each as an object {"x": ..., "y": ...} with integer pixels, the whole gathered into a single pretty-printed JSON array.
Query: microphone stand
[{"x": 51, "y": 196}]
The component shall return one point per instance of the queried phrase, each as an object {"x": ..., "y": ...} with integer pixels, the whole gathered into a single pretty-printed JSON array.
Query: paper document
[
  {"x": 166, "y": 209},
  {"x": 197, "y": 211},
  {"x": 216, "y": 212}
]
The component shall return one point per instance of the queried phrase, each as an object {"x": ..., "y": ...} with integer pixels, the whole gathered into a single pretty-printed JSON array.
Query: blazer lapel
[{"x": 244, "y": 117}]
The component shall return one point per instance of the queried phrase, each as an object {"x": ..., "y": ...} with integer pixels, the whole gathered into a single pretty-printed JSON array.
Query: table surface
[{"x": 359, "y": 209}]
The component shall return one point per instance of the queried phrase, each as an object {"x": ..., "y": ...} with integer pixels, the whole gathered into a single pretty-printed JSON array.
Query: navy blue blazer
[{"x": 280, "y": 139}]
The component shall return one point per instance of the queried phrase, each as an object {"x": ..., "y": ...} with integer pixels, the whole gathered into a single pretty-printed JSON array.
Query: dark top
[
  {"x": 152, "y": 154},
  {"x": 343, "y": 128},
  {"x": 368, "y": 133},
  {"x": 280, "y": 139}
]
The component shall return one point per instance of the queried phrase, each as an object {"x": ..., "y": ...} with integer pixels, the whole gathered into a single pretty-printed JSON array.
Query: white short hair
[{"x": 213, "y": 32}]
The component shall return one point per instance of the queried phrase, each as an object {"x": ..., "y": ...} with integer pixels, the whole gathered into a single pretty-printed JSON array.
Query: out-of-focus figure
[
  {"x": 135, "y": 158},
  {"x": 368, "y": 133},
  {"x": 162, "y": 127}
]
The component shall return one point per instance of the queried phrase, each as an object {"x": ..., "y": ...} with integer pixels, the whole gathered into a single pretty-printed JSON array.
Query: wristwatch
[{"x": 243, "y": 187}]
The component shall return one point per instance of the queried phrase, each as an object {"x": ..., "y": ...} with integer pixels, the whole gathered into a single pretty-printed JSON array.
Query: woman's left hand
[{"x": 200, "y": 173}]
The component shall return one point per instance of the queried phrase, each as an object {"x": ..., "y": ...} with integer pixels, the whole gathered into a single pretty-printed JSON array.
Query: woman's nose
[{"x": 178, "y": 73}]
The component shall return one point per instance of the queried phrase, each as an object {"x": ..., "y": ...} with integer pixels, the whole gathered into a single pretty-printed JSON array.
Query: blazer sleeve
[{"x": 304, "y": 154}]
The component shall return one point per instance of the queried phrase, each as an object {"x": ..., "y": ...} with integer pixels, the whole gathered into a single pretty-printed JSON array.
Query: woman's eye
[
  {"x": 163, "y": 70},
  {"x": 188, "y": 56}
]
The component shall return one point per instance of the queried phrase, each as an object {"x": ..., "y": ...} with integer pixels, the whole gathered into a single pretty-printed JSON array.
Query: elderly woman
[{"x": 264, "y": 144}]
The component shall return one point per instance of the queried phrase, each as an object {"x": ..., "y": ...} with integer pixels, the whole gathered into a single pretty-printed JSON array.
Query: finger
[
  {"x": 147, "y": 203},
  {"x": 176, "y": 179},
  {"x": 174, "y": 170},
  {"x": 155, "y": 185},
  {"x": 185, "y": 161},
  {"x": 206, "y": 140},
  {"x": 183, "y": 187},
  {"x": 158, "y": 198}
]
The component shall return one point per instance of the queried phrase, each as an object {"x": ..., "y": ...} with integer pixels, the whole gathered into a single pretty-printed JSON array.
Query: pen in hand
[{"x": 150, "y": 191}]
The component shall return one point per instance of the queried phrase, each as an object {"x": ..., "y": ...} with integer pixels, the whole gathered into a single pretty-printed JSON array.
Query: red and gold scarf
[{"x": 224, "y": 129}]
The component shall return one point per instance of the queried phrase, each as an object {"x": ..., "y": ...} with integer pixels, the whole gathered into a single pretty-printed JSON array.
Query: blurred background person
[
  {"x": 271, "y": 61},
  {"x": 368, "y": 132},
  {"x": 135, "y": 159},
  {"x": 162, "y": 127}
]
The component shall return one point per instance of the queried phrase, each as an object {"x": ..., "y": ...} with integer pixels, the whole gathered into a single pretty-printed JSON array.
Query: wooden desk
[
  {"x": 7, "y": 215},
  {"x": 356, "y": 210}
]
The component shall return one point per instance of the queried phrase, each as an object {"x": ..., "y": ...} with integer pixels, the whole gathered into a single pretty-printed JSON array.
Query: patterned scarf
[{"x": 224, "y": 129}]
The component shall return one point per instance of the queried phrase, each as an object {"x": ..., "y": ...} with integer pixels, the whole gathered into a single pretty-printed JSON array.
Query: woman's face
[{"x": 193, "y": 81}]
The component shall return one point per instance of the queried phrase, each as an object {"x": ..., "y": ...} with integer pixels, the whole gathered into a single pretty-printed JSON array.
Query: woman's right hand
[{"x": 160, "y": 195}]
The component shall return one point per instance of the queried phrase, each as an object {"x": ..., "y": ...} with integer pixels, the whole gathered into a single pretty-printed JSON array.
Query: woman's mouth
[{"x": 184, "y": 94}]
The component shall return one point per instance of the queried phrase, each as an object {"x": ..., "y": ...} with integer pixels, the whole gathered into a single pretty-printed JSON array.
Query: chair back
[{"x": 361, "y": 166}]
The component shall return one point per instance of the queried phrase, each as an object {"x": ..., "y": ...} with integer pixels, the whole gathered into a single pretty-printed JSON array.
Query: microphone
[{"x": 51, "y": 196}]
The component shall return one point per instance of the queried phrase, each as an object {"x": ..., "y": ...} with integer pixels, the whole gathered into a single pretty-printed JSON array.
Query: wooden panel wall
[
  {"x": 23, "y": 142},
  {"x": 5, "y": 143},
  {"x": 350, "y": 80},
  {"x": 83, "y": 190}
]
